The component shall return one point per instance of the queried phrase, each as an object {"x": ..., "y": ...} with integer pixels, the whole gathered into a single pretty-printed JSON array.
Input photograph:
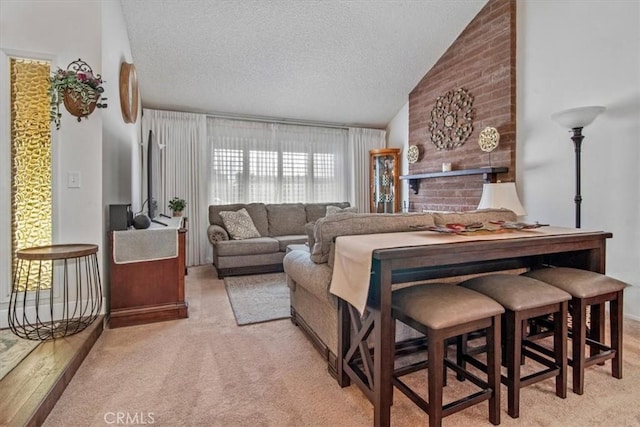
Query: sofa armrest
[{"x": 216, "y": 234}]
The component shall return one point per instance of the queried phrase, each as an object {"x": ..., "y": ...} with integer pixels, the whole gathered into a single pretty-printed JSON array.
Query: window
[
  {"x": 276, "y": 163},
  {"x": 31, "y": 195}
]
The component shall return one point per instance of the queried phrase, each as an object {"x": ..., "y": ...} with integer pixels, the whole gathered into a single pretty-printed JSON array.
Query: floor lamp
[{"x": 575, "y": 119}]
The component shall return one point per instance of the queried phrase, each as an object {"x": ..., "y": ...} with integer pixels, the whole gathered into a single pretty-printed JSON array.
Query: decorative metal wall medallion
[
  {"x": 452, "y": 119},
  {"x": 489, "y": 139},
  {"x": 413, "y": 153}
]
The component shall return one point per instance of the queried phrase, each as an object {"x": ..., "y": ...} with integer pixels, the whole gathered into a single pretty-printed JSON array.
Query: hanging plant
[{"x": 78, "y": 88}]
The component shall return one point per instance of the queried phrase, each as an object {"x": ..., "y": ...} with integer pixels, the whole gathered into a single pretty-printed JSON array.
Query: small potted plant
[
  {"x": 177, "y": 205},
  {"x": 78, "y": 88}
]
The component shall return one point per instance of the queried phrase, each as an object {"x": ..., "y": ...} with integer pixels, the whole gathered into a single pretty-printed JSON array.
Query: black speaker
[
  {"x": 141, "y": 222},
  {"x": 120, "y": 217}
]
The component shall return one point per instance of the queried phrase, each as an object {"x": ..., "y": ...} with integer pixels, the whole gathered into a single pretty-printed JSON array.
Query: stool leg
[
  {"x": 513, "y": 349},
  {"x": 579, "y": 342},
  {"x": 434, "y": 371},
  {"x": 560, "y": 348},
  {"x": 595, "y": 331},
  {"x": 503, "y": 327},
  {"x": 461, "y": 351},
  {"x": 525, "y": 324},
  {"x": 493, "y": 368},
  {"x": 615, "y": 319}
]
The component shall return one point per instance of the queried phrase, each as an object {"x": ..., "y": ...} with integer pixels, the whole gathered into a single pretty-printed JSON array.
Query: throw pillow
[
  {"x": 332, "y": 210},
  {"x": 308, "y": 228},
  {"x": 239, "y": 224}
]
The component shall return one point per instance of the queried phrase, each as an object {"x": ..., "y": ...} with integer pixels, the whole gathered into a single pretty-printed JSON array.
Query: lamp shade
[
  {"x": 577, "y": 117},
  {"x": 501, "y": 195}
]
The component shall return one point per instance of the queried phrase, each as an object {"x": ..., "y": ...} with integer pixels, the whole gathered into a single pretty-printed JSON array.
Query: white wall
[
  {"x": 398, "y": 137},
  {"x": 121, "y": 141},
  {"x": 573, "y": 54},
  {"x": 35, "y": 26},
  {"x": 66, "y": 31},
  {"x": 121, "y": 148}
]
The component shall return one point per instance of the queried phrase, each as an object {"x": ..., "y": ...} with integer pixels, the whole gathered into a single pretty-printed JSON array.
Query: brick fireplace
[{"x": 482, "y": 60}]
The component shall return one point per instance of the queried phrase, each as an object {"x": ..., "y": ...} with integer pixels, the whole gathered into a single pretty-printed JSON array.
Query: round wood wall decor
[
  {"x": 413, "y": 153},
  {"x": 452, "y": 119},
  {"x": 128, "y": 92},
  {"x": 489, "y": 139}
]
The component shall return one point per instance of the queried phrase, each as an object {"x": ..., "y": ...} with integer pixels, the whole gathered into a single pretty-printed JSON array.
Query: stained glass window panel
[{"x": 31, "y": 196}]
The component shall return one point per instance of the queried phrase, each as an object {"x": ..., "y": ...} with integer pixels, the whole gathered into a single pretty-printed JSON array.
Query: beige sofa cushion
[
  {"x": 286, "y": 219},
  {"x": 346, "y": 224},
  {"x": 295, "y": 239},
  {"x": 260, "y": 245}
]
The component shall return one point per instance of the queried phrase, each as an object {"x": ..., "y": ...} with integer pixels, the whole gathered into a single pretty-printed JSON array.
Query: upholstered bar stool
[
  {"x": 442, "y": 311},
  {"x": 589, "y": 289},
  {"x": 524, "y": 298}
]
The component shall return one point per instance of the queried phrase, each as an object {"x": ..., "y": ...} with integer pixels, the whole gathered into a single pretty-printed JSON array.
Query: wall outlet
[{"x": 73, "y": 179}]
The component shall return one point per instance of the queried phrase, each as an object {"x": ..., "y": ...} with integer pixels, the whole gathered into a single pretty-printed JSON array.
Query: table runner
[
  {"x": 155, "y": 243},
  {"x": 352, "y": 262}
]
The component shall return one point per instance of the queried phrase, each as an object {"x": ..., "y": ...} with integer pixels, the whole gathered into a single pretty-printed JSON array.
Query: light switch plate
[{"x": 73, "y": 179}]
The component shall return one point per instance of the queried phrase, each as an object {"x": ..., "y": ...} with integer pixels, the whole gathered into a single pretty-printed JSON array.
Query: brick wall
[{"x": 482, "y": 60}]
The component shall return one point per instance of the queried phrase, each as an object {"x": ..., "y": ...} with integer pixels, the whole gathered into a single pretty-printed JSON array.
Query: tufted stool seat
[
  {"x": 442, "y": 311},
  {"x": 524, "y": 298},
  {"x": 589, "y": 289}
]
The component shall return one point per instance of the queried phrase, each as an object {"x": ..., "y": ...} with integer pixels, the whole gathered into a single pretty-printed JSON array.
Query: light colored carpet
[
  {"x": 258, "y": 298},
  {"x": 207, "y": 371},
  {"x": 12, "y": 350}
]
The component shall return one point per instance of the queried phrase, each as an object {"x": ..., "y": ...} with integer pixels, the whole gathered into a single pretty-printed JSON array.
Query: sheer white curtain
[
  {"x": 361, "y": 140},
  {"x": 181, "y": 171},
  {"x": 276, "y": 163}
]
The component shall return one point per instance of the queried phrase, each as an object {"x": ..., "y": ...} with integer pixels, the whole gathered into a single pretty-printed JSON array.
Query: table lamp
[{"x": 501, "y": 195}]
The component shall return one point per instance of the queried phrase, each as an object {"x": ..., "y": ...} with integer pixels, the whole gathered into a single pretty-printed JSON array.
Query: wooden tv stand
[{"x": 148, "y": 291}]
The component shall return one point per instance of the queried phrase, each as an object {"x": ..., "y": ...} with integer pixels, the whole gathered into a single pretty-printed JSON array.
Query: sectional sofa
[
  {"x": 276, "y": 227},
  {"x": 309, "y": 268}
]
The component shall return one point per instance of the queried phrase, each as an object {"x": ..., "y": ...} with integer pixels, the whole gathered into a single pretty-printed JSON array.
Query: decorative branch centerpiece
[{"x": 78, "y": 88}]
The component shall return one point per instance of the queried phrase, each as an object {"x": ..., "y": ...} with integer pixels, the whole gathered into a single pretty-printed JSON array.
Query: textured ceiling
[{"x": 342, "y": 62}]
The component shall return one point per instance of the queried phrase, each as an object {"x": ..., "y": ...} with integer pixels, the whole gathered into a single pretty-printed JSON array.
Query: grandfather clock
[{"x": 384, "y": 180}]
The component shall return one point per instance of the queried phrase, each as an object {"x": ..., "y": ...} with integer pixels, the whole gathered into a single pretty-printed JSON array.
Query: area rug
[
  {"x": 258, "y": 298},
  {"x": 12, "y": 350}
]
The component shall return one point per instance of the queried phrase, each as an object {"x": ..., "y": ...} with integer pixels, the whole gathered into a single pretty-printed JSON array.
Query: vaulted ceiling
[{"x": 335, "y": 61}]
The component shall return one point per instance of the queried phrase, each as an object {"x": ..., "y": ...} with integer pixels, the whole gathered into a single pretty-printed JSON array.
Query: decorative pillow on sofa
[
  {"x": 308, "y": 228},
  {"x": 332, "y": 210},
  {"x": 239, "y": 224}
]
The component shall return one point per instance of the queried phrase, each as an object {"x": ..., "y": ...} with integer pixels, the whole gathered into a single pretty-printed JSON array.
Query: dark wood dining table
[{"x": 371, "y": 367}]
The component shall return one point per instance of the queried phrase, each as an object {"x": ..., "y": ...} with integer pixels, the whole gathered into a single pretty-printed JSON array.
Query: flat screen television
[{"x": 152, "y": 204}]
